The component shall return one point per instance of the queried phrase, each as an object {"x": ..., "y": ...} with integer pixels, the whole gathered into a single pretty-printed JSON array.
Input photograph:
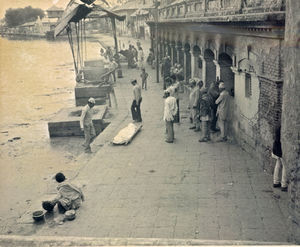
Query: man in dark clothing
[
  {"x": 214, "y": 93},
  {"x": 277, "y": 154},
  {"x": 136, "y": 102},
  {"x": 166, "y": 69},
  {"x": 205, "y": 115}
]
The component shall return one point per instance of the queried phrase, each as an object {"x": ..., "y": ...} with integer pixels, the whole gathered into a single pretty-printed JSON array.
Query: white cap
[
  {"x": 222, "y": 85},
  {"x": 92, "y": 100}
]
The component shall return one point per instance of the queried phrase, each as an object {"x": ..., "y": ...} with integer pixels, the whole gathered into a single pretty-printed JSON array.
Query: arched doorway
[
  {"x": 161, "y": 49},
  {"x": 226, "y": 74},
  {"x": 187, "y": 67},
  {"x": 197, "y": 62},
  {"x": 180, "y": 53},
  {"x": 168, "y": 49},
  {"x": 210, "y": 70}
]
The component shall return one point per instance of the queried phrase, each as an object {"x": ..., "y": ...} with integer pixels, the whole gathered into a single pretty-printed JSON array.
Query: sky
[{"x": 43, "y": 4}]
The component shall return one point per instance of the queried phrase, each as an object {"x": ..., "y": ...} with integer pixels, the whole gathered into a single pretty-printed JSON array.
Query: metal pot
[{"x": 38, "y": 215}]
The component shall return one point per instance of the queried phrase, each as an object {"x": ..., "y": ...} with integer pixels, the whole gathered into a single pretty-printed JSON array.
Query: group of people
[
  {"x": 110, "y": 63},
  {"x": 135, "y": 56},
  {"x": 209, "y": 107}
]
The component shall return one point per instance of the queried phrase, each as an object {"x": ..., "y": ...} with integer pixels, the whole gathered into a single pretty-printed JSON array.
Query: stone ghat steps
[
  {"x": 67, "y": 121},
  {"x": 34, "y": 241},
  {"x": 84, "y": 91}
]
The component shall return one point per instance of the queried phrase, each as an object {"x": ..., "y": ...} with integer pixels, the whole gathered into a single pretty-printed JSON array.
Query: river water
[{"x": 36, "y": 81}]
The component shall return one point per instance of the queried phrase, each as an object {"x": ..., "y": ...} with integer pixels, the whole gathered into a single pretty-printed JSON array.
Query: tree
[{"x": 19, "y": 16}]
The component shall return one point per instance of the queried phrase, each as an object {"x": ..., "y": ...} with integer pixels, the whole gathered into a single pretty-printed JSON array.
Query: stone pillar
[
  {"x": 187, "y": 65},
  {"x": 163, "y": 49},
  {"x": 178, "y": 50},
  {"x": 167, "y": 48},
  {"x": 152, "y": 37},
  {"x": 160, "y": 50},
  {"x": 218, "y": 69},
  {"x": 203, "y": 70},
  {"x": 173, "y": 54},
  {"x": 193, "y": 63},
  {"x": 290, "y": 125}
]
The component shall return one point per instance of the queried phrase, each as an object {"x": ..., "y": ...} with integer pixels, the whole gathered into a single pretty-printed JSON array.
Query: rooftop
[{"x": 54, "y": 8}]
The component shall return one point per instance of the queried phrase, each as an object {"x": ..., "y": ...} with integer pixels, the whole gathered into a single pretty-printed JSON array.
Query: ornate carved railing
[{"x": 207, "y": 8}]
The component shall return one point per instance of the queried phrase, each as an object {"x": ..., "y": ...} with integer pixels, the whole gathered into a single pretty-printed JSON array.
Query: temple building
[{"x": 242, "y": 43}]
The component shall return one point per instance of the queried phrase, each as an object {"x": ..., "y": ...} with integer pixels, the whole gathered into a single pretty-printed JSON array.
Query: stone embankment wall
[{"x": 291, "y": 113}]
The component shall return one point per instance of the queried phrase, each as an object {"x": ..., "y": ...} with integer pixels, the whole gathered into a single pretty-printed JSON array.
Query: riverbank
[
  {"x": 34, "y": 86},
  {"x": 36, "y": 80}
]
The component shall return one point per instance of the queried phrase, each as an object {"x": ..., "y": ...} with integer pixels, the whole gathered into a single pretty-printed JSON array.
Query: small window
[{"x": 248, "y": 86}]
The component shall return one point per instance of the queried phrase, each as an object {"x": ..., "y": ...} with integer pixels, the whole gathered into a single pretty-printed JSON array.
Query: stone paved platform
[
  {"x": 12, "y": 241},
  {"x": 184, "y": 190}
]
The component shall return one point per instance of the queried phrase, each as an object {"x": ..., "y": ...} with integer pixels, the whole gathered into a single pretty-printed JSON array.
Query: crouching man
[{"x": 68, "y": 197}]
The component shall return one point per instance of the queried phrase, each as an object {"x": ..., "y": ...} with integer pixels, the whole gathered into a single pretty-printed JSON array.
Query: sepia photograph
[{"x": 149, "y": 123}]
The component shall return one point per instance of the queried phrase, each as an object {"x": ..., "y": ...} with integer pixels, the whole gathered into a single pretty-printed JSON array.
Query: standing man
[
  {"x": 277, "y": 154},
  {"x": 174, "y": 91},
  {"x": 86, "y": 124},
  {"x": 140, "y": 58},
  {"x": 144, "y": 76},
  {"x": 166, "y": 69},
  {"x": 136, "y": 103},
  {"x": 194, "y": 103},
  {"x": 205, "y": 114},
  {"x": 213, "y": 91},
  {"x": 222, "y": 111},
  {"x": 170, "y": 111}
]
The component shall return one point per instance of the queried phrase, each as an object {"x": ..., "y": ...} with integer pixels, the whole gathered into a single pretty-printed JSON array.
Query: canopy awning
[
  {"x": 100, "y": 12},
  {"x": 77, "y": 10}
]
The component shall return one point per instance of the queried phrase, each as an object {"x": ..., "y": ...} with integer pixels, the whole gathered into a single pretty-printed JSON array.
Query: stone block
[
  {"x": 93, "y": 73},
  {"x": 89, "y": 90},
  {"x": 94, "y": 63},
  {"x": 67, "y": 121},
  {"x": 84, "y": 91}
]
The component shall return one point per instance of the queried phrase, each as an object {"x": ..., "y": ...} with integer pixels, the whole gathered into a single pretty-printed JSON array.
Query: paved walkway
[{"x": 184, "y": 190}]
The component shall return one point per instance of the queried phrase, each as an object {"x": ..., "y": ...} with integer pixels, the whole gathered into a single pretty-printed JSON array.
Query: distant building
[
  {"x": 53, "y": 15},
  {"x": 54, "y": 12},
  {"x": 137, "y": 12},
  {"x": 34, "y": 28}
]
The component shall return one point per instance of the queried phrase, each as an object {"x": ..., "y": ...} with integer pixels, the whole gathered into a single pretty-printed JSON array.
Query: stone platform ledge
[{"x": 41, "y": 241}]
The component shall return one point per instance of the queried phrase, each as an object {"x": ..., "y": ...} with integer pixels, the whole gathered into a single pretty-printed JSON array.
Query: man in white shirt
[
  {"x": 223, "y": 111},
  {"x": 136, "y": 102},
  {"x": 86, "y": 124},
  {"x": 170, "y": 111},
  {"x": 193, "y": 104}
]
